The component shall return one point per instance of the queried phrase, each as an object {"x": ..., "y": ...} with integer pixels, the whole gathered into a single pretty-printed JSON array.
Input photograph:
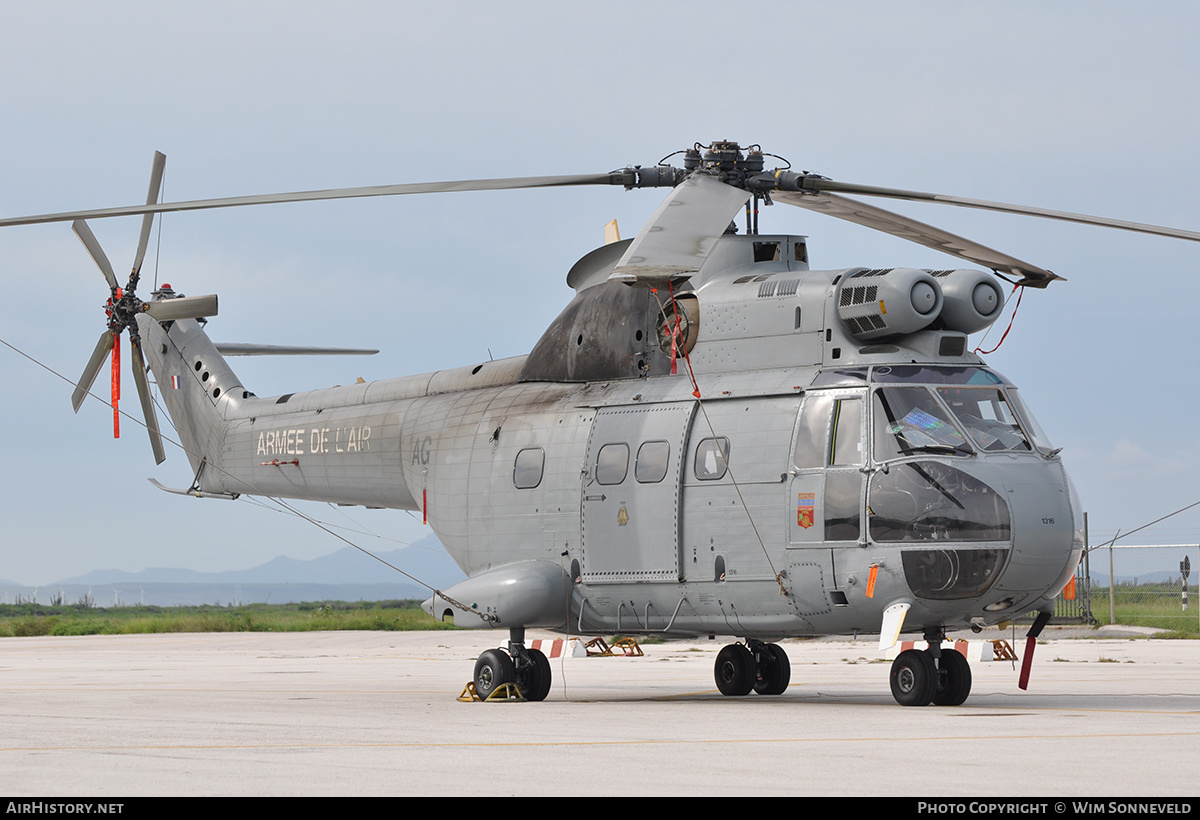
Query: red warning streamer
[{"x": 116, "y": 384}]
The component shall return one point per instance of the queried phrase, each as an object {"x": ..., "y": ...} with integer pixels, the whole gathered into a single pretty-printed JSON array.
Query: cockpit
[{"x": 920, "y": 456}]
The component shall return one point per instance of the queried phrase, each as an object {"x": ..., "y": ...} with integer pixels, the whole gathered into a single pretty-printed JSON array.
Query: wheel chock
[
  {"x": 1002, "y": 650},
  {"x": 597, "y": 646},
  {"x": 505, "y": 691},
  {"x": 629, "y": 647}
]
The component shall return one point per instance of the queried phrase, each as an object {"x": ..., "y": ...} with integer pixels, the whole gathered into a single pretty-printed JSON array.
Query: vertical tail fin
[{"x": 200, "y": 390}]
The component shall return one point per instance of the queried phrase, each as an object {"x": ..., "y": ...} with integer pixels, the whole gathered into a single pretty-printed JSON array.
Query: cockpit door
[{"x": 827, "y": 470}]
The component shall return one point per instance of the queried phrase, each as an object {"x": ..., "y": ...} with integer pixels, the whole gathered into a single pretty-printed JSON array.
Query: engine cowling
[
  {"x": 973, "y": 299},
  {"x": 876, "y": 303}
]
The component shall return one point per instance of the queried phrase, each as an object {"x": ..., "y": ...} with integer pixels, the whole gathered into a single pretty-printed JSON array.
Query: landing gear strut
[
  {"x": 920, "y": 677},
  {"x": 529, "y": 669},
  {"x": 754, "y": 666}
]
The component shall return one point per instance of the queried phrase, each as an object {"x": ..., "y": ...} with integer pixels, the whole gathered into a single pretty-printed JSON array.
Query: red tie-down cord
[
  {"x": 1010, "y": 323},
  {"x": 677, "y": 342}
]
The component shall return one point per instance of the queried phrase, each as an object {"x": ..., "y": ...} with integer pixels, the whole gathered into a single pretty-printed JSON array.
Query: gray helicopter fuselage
[
  {"x": 710, "y": 438},
  {"x": 828, "y": 469}
]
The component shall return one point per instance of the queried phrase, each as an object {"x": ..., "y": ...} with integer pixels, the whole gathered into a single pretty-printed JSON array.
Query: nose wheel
[
  {"x": 529, "y": 669},
  {"x": 493, "y": 669},
  {"x": 954, "y": 679},
  {"x": 921, "y": 677},
  {"x": 914, "y": 678}
]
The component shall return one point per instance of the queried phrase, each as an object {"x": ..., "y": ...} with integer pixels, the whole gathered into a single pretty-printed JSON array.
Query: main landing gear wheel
[
  {"x": 953, "y": 680},
  {"x": 493, "y": 669},
  {"x": 734, "y": 670},
  {"x": 914, "y": 678},
  {"x": 772, "y": 669},
  {"x": 534, "y": 676}
]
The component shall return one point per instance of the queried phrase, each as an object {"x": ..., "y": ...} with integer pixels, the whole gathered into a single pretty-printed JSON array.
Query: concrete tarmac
[{"x": 376, "y": 713}]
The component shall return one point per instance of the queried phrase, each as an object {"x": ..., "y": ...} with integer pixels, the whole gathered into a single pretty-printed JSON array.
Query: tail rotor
[{"x": 122, "y": 309}]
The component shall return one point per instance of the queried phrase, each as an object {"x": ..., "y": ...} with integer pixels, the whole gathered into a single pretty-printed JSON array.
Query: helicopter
[{"x": 710, "y": 439}]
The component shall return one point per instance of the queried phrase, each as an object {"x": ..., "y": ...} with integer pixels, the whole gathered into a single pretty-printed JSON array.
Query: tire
[
  {"x": 773, "y": 671},
  {"x": 493, "y": 669},
  {"x": 734, "y": 670},
  {"x": 534, "y": 680},
  {"x": 914, "y": 678},
  {"x": 953, "y": 680}
]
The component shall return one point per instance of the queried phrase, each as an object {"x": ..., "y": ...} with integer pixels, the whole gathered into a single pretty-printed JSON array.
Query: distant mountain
[
  {"x": 426, "y": 560},
  {"x": 347, "y": 575}
]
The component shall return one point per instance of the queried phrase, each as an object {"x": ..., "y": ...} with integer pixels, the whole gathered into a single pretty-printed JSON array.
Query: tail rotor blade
[
  {"x": 156, "y": 175},
  {"x": 93, "y": 247},
  {"x": 143, "y": 388},
  {"x": 184, "y": 307},
  {"x": 103, "y": 347}
]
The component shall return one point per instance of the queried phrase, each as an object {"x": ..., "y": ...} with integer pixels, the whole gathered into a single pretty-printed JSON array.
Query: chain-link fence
[{"x": 1136, "y": 585}]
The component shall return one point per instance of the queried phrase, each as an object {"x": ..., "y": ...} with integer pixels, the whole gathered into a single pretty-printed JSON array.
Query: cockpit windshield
[
  {"x": 987, "y": 417},
  {"x": 964, "y": 410},
  {"x": 908, "y": 420}
]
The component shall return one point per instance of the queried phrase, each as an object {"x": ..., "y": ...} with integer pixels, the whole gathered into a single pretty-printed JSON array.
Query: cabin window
[
  {"x": 814, "y": 424},
  {"x": 712, "y": 459},
  {"x": 845, "y": 445},
  {"x": 527, "y": 471},
  {"x": 766, "y": 251},
  {"x": 612, "y": 463},
  {"x": 843, "y": 519},
  {"x": 652, "y": 458}
]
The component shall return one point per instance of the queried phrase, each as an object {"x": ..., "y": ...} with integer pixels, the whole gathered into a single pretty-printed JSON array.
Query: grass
[
  {"x": 1153, "y": 605},
  {"x": 25, "y": 620}
]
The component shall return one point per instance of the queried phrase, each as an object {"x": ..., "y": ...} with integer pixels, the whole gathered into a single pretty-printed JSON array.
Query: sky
[{"x": 1076, "y": 106}]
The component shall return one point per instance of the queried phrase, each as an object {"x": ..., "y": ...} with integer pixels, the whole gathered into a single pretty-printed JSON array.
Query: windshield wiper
[{"x": 942, "y": 449}]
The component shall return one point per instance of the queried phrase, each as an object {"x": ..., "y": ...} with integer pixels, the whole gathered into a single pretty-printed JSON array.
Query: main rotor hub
[{"x": 725, "y": 159}]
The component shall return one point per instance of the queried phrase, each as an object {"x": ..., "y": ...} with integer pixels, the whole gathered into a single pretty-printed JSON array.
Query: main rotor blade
[
  {"x": 813, "y": 183},
  {"x": 183, "y": 307},
  {"x": 883, "y": 220},
  {"x": 93, "y": 247},
  {"x": 143, "y": 388},
  {"x": 681, "y": 232},
  {"x": 156, "y": 175},
  {"x": 103, "y": 348},
  {"x": 613, "y": 178},
  {"x": 243, "y": 349}
]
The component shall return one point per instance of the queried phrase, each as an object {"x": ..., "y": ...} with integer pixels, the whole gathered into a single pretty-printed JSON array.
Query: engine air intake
[{"x": 888, "y": 302}]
